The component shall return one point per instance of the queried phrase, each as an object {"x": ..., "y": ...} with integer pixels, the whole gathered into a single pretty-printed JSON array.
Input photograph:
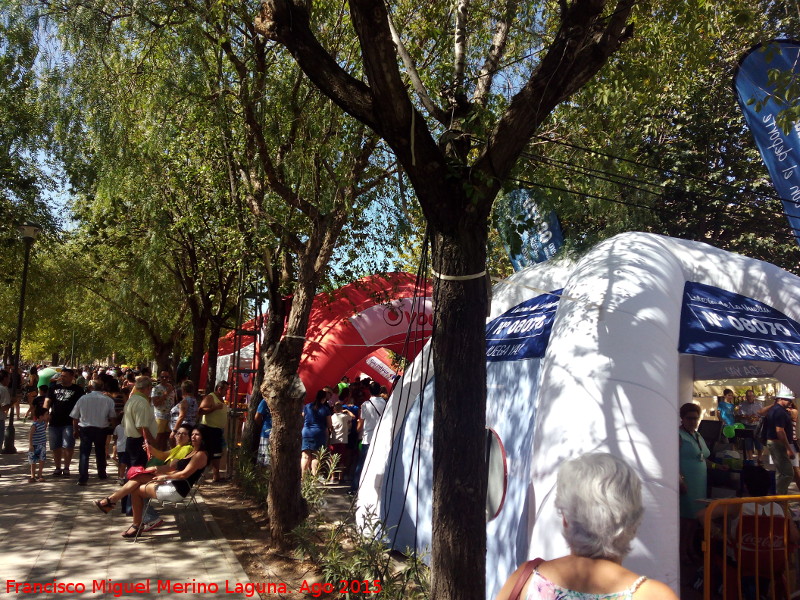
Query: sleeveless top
[
  {"x": 218, "y": 418},
  {"x": 541, "y": 588},
  {"x": 182, "y": 486},
  {"x": 190, "y": 418}
]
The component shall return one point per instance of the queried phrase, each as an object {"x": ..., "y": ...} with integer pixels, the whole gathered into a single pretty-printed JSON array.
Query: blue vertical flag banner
[
  {"x": 522, "y": 331},
  {"x": 763, "y": 73},
  {"x": 723, "y": 324},
  {"x": 528, "y": 236}
]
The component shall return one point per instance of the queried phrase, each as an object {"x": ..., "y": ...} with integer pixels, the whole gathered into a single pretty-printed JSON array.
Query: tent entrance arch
[
  {"x": 351, "y": 330},
  {"x": 729, "y": 338}
]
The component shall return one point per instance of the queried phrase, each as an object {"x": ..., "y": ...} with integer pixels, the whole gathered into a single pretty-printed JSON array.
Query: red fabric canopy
[{"x": 346, "y": 326}]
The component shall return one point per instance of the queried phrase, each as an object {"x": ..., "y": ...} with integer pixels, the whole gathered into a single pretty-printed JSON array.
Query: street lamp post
[{"x": 28, "y": 231}]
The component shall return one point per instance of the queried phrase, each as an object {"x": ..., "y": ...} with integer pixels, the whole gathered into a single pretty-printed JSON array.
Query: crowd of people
[
  {"x": 776, "y": 424},
  {"x": 127, "y": 417},
  {"x": 343, "y": 419},
  {"x": 756, "y": 431},
  {"x": 161, "y": 436}
]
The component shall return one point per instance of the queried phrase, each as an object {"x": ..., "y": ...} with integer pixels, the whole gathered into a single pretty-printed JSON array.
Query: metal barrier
[{"x": 760, "y": 547}]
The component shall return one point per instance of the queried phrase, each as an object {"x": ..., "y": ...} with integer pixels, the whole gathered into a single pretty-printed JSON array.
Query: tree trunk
[
  {"x": 285, "y": 393},
  {"x": 163, "y": 352},
  {"x": 199, "y": 328},
  {"x": 459, "y": 484}
]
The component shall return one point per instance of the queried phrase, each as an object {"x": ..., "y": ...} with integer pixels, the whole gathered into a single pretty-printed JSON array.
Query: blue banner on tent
[
  {"x": 528, "y": 236},
  {"x": 722, "y": 324},
  {"x": 523, "y": 331},
  {"x": 762, "y": 74}
]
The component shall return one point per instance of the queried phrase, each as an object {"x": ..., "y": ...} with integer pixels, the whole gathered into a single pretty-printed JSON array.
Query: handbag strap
[{"x": 525, "y": 574}]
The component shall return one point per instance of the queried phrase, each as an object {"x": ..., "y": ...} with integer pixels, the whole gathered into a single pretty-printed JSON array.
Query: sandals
[
  {"x": 105, "y": 505},
  {"x": 132, "y": 531}
]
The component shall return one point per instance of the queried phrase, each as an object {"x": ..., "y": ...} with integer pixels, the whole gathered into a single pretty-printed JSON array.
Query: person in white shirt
[
  {"x": 93, "y": 418},
  {"x": 750, "y": 414},
  {"x": 369, "y": 417}
]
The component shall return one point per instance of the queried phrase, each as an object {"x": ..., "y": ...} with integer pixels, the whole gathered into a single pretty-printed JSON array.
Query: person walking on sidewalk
[
  {"x": 5, "y": 402},
  {"x": 37, "y": 443},
  {"x": 93, "y": 417},
  {"x": 370, "y": 416},
  {"x": 61, "y": 399}
]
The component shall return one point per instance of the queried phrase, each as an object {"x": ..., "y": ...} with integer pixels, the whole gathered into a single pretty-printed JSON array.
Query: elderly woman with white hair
[{"x": 600, "y": 500}]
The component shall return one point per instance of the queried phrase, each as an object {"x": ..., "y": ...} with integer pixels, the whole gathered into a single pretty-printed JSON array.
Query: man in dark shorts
[{"x": 61, "y": 399}]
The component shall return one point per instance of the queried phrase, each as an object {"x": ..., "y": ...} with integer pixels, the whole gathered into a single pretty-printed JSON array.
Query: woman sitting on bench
[{"x": 170, "y": 483}]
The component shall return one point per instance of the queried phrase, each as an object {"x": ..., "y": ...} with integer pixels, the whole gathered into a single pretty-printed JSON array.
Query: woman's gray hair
[{"x": 600, "y": 498}]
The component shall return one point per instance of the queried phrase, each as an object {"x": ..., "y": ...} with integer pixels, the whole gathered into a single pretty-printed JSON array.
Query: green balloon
[
  {"x": 728, "y": 431},
  {"x": 739, "y": 426}
]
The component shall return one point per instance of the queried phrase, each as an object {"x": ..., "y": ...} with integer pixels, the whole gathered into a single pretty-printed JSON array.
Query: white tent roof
[{"x": 611, "y": 380}]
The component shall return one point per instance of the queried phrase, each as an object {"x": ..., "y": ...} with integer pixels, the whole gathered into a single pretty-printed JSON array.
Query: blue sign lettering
[
  {"x": 523, "y": 331},
  {"x": 722, "y": 324}
]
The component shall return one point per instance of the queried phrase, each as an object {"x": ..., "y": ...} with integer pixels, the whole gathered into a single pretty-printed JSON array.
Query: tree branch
[
  {"x": 496, "y": 52},
  {"x": 582, "y": 45},
  {"x": 371, "y": 23},
  {"x": 384, "y": 105},
  {"x": 433, "y": 110},
  {"x": 287, "y": 23},
  {"x": 460, "y": 47}
]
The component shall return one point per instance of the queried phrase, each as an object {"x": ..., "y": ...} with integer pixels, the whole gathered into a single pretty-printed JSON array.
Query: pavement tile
[{"x": 51, "y": 530}]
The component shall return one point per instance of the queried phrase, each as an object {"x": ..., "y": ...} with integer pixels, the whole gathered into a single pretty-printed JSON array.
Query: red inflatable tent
[{"x": 350, "y": 324}]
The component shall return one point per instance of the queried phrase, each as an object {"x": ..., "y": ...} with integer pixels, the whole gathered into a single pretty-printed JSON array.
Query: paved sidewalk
[{"x": 51, "y": 530}]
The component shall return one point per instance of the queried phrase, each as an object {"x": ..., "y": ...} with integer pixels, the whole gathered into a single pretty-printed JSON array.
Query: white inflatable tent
[{"x": 610, "y": 379}]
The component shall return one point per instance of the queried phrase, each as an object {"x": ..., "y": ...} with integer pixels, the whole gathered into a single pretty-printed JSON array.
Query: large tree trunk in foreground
[
  {"x": 459, "y": 484},
  {"x": 163, "y": 352}
]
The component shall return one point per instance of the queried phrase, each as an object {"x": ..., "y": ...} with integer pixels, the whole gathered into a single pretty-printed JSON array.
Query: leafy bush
[
  {"x": 253, "y": 479},
  {"x": 349, "y": 551}
]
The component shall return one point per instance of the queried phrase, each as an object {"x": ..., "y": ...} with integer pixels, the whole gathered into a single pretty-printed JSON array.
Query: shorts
[
  {"x": 214, "y": 441},
  {"x": 163, "y": 425},
  {"x": 61, "y": 437},
  {"x": 166, "y": 492},
  {"x": 123, "y": 458},
  {"x": 38, "y": 454},
  {"x": 338, "y": 448}
]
